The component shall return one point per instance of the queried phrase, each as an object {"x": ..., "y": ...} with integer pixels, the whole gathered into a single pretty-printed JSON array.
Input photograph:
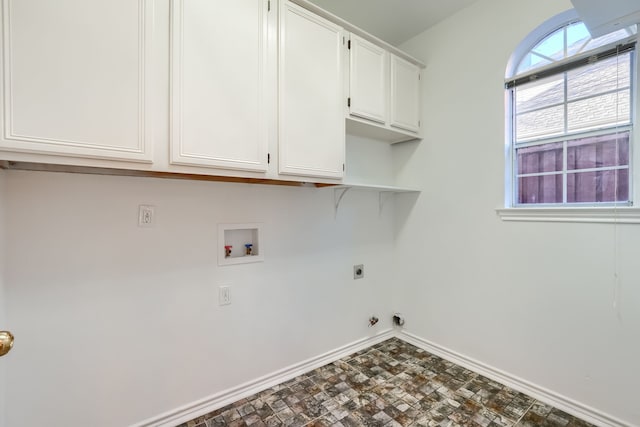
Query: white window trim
[
  {"x": 610, "y": 214},
  {"x": 606, "y": 214}
]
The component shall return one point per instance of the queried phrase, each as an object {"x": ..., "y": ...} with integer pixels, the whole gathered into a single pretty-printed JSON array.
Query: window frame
[{"x": 581, "y": 211}]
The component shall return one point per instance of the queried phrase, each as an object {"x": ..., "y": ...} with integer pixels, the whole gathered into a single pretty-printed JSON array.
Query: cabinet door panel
[
  {"x": 405, "y": 94},
  {"x": 219, "y": 67},
  {"x": 74, "y": 77},
  {"x": 311, "y": 101},
  {"x": 368, "y": 80}
]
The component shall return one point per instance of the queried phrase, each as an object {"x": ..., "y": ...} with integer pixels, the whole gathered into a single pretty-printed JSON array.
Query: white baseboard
[
  {"x": 540, "y": 393},
  {"x": 219, "y": 400}
]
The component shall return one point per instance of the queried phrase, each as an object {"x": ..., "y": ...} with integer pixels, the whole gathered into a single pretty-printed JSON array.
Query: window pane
[
  {"x": 598, "y": 152},
  {"x": 540, "y": 93},
  {"x": 552, "y": 46},
  {"x": 540, "y": 189},
  {"x": 540, "y": 158},
  {"x": 603, "y": 76},
  {"x": 570, "y": 108},
  {"x": 599, "y": 186},
  {"x": 530, "y": 61},
  {"x": 599, "y": 111},
  {"x": 549, "y": 50},
  {"x": 545, "y": 122},
  {"x": 577, "y": 38},
  {"x": 610, "y": 38}
]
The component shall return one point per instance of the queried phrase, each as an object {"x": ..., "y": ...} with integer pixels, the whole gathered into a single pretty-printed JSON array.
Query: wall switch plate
[
  {"x": 224, "y": 295},
  {"x": 358, "y": 271},
  {"x": 146, "y": 215}
]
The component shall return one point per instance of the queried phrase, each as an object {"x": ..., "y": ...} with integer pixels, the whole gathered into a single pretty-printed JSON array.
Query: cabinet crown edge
[{"x": 357, "y": 30}]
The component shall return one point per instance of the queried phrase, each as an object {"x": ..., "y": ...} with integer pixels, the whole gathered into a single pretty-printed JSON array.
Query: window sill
[{"x": 609, "y": 215}]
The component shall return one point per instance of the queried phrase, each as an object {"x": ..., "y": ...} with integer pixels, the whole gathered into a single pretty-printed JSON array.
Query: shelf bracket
[
  {"x": 338, "y": 194},
  {"x": 383, "y": 196}
]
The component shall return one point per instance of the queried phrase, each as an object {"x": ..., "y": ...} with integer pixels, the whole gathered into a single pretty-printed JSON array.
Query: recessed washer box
[{"x": 239, "y": 243}]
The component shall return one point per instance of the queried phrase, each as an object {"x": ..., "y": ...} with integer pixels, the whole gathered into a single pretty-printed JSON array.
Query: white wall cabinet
[
  {"x": 368, "y": 80},
  {"x": 74, "y": 78},
  {"x": 219, "y": 75},
  {"x": 384, "y": 93},
  {"x": 405, "y": 94},
  {"x": 247, "y": 80},
  {"x": 311, "y": 101}
]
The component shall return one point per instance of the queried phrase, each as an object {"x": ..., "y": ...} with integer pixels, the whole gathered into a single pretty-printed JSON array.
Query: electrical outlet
[
  {"x": 145, "y": 216},
  {"x": 358, "y": 271},
  {"x": 224, "y": 295}
]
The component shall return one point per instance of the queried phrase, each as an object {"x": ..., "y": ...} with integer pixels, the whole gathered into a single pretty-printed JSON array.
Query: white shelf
[
  {"x": 368, "y": 129},
  {"x": 340, "y": 190},
  {"x": 380, "y": 188}
]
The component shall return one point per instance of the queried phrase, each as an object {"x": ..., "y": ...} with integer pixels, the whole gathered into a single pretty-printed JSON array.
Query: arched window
[{"x": 570, "y": 117}]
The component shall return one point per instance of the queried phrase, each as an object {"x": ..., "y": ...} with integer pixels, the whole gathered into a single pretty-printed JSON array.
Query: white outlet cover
[
  {"x": 224, "y": 295},
  {"x": 146, "y": 216}
]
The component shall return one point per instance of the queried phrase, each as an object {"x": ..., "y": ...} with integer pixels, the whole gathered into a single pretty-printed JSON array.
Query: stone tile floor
[{"x": 390, "y": 384}]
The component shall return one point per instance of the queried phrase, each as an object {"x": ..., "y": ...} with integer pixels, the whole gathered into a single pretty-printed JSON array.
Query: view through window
[{"x": 571, "y": 119}]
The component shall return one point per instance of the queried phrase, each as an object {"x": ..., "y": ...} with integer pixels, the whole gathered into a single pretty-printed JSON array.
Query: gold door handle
[{"x": 6, "y": 342}]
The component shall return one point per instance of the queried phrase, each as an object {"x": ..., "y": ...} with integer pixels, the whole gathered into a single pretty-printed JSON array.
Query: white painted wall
[
  {"x": 532, "y": 299},
  {"x": 3, "y": 319},
  {"x": 118, "y": 323},
  {"x": 369, "y": 161}
]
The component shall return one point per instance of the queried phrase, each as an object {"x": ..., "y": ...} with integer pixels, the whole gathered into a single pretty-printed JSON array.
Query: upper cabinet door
[
  {"x": 405, "y": 94},
  {"x": 368, "y": 80},
  {"x": 218, "y": 81},
  {"x": 312, "y": 101},
  {"x": 74, "y": 78}
]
